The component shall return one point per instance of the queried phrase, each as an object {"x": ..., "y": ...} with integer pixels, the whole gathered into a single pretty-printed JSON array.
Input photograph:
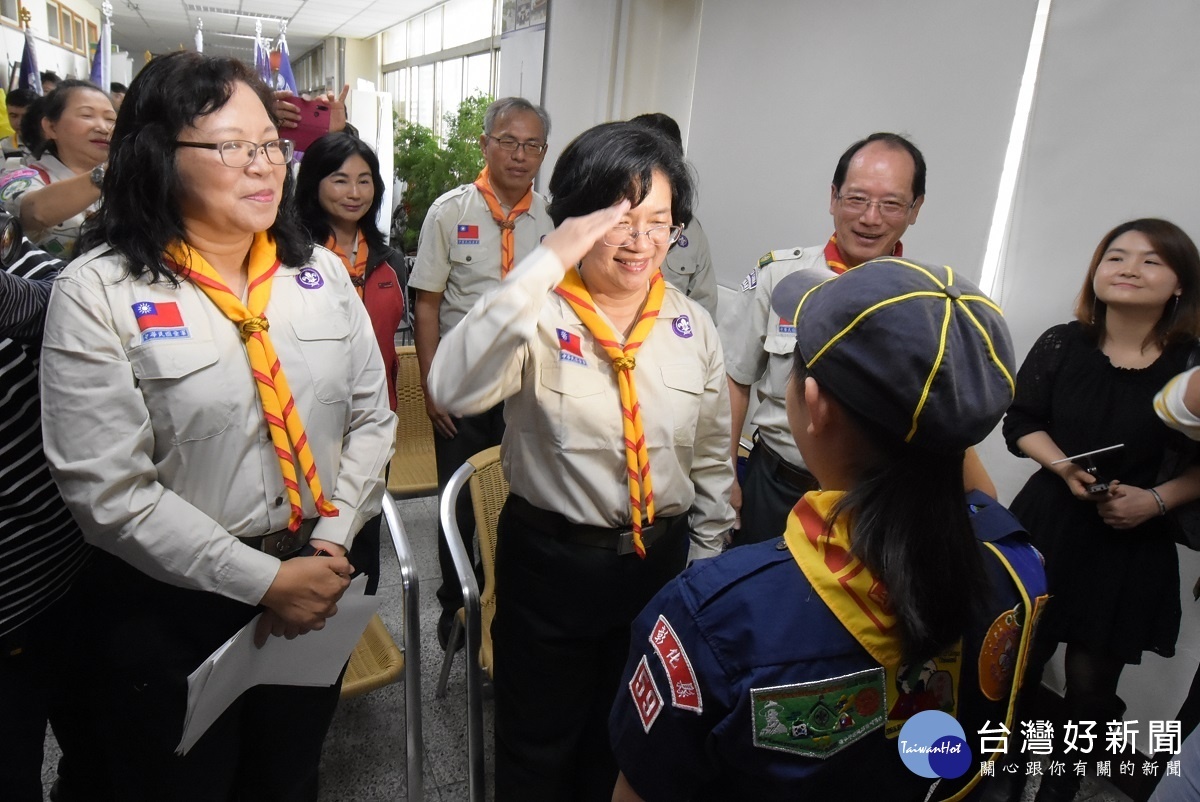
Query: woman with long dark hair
[
  {"x": 1087, "y": 385},
  {"x": 786, "y": 669},
  {"x": 339, "y": 191},
  {"x": 67, "y": 132},
  {"x": 215, "y": 415}
]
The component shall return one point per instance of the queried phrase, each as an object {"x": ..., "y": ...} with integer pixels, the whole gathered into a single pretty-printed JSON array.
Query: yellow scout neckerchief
[
  {"x": 573, "y": 290},
  {"x": 507, "y": 238},
  {"x": 279, "y": 408},
  {"x": 860, "y": 602}
]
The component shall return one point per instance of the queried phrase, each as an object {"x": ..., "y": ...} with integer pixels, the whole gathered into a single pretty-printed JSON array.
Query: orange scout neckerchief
[
  {"x": 842, "y": 580},
  {"x": 837, "y": 262},
  {"x": 357, "y": 270},
  {"x": 279, "y": 408},
  {"x": 637, "y": 458},
  {"x": 508, "y": 247}
]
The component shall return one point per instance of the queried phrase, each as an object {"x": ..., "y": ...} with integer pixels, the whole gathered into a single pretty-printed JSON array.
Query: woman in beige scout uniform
[
  {"x": 616, "y": 449},
  {"x": 213, "y": 398}
]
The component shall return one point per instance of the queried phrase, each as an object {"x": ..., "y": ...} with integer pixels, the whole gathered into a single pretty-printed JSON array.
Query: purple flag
[
  {"x": 286, "y": 79},
  {"x": 30, "y": 78},
  {"x": 262, "y": 60}
]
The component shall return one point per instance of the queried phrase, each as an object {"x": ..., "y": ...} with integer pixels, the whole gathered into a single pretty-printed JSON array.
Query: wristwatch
[{"x": 98, "y": 176}]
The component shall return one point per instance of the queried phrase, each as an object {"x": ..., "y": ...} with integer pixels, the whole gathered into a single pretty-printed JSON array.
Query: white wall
[{"x": 614, "y": 59}]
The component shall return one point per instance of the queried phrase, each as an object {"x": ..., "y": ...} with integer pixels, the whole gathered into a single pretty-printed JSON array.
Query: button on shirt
[
  {"x": 761, "y": 345},
  {"x": 564, "y": 447},
  {"x": 459, "y": 250},
  {"x": 155, "y": 432}
]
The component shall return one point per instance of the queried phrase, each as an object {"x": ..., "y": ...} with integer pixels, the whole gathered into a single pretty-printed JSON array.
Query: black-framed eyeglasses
[
  {"x": 624, "y": 236},
  {"x": 510, "y": 145},
  {"x": 858, "y": 204},
  {"x": 239, "y": 153}
]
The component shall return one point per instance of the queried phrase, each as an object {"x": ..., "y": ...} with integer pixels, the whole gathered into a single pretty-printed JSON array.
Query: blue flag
[
  {"x": 31, "y": 77},
  {"x": 97, "y": 73},
  {"x": 286, "y": 80}
]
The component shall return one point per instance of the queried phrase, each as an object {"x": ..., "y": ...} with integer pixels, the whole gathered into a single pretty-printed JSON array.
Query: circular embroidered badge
[
  {"x": 683, "y": 242},
  {"x": 682, "y": 326},
  {"x": 310, "y": 279},
  {"x": 998, "y": 655}
]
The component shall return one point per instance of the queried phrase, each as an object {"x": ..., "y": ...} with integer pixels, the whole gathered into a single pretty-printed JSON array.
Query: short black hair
[
  {"x": 50, "y": 107},
  {"x": 663, "y": 123},
  {"x": 117, "y": 89},
  {"x": 140, "y": 215},
  {"x": 21, "y": 98},
  {"x": 50, "y": 75},
  {"x": 323, "y": 158},
  {"x": 612, "y": 161},
  {"x": 893, "y": 140}
]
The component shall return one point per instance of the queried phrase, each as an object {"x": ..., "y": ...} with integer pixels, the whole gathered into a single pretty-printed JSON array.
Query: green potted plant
[{"x": 429, "y": 169}]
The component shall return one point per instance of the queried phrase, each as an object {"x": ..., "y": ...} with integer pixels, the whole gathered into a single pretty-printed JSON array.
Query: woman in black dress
[{"x": 1111, "y": 564}]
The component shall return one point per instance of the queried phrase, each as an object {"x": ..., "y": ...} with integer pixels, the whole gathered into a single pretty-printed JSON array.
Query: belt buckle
[
  {"x": 281, "y": 544},
  {"x": 625, "y": 543}
]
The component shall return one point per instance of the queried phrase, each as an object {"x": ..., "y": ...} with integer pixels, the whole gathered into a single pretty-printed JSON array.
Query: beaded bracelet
[{"x": 1162, "y": 507}]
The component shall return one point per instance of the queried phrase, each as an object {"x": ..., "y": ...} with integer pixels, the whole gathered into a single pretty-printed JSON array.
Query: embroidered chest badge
[
  {"x": 159, "y": 320},
  {"x": 685, "y": 691},
  {"x": 646, "y": 698},
  {"x": 310, "y": 279},
  {"x": 998, "y": 654},
  {"x": 682, "y": 326},
  {"x": 570, "y": 348},
  {"x": 820, "y": 718},
  {"x": 468, "y": 235}
]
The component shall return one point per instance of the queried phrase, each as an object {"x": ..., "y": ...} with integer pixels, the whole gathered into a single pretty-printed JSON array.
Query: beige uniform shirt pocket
[
  {"x": 322, "y": 340},
  {"x": 685, "y": 388},
  {"x": 184, "y": 389},
  {"x": 574, "y": 402}
]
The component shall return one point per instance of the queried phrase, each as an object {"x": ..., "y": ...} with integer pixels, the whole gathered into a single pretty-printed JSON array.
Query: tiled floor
[{"x": 364, "y": 758}]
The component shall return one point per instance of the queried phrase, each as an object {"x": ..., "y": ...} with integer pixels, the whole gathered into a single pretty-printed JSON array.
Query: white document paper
[{"x": 313, "y": 659}]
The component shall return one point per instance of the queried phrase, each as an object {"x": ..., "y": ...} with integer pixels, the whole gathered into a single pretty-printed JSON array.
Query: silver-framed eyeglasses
[
  {"x": 239, "y": 153},
  {"x": 624, "y": 236},
  {"x": 858, "y": 204},
  {"x": 510, "y": 145}
]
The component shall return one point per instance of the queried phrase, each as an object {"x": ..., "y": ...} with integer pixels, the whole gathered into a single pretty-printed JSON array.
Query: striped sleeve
[
  {"x": 42, "y": 547},
  {"x": 24, "y": 293},
  {"x": 1170, "y": 407}
]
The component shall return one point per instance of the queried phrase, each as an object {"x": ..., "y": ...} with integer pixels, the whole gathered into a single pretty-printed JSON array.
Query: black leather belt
[
  {"x": 618, "y": 539},
  {"x": 783, "y": 470},
  {"x": 283, "y": 543}
]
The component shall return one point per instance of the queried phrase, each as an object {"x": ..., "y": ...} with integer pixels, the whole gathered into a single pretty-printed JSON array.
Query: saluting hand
[
  {"x": 304, "y": 593},
  {"x": 576, "y": 235}
]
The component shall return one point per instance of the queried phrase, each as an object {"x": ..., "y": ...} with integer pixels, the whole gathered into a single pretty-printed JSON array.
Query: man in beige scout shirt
[{"x": 472, "y": 237}]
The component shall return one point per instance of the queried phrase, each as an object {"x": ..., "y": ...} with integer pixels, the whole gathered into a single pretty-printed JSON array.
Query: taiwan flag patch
[
  {"x": 570, "y": 348},
  {"x": 159, "y": 321},
  {"x": 468, "y": 235}
]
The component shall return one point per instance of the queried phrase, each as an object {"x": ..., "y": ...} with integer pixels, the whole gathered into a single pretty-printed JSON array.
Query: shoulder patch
[
  {"x": 781, "y": 255},
  {"x": 750, "y": 281},
  {"x": 646, "y": 698},
  {"x": 685, "y": 691},
  {"x": 820, "y": 718}
]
